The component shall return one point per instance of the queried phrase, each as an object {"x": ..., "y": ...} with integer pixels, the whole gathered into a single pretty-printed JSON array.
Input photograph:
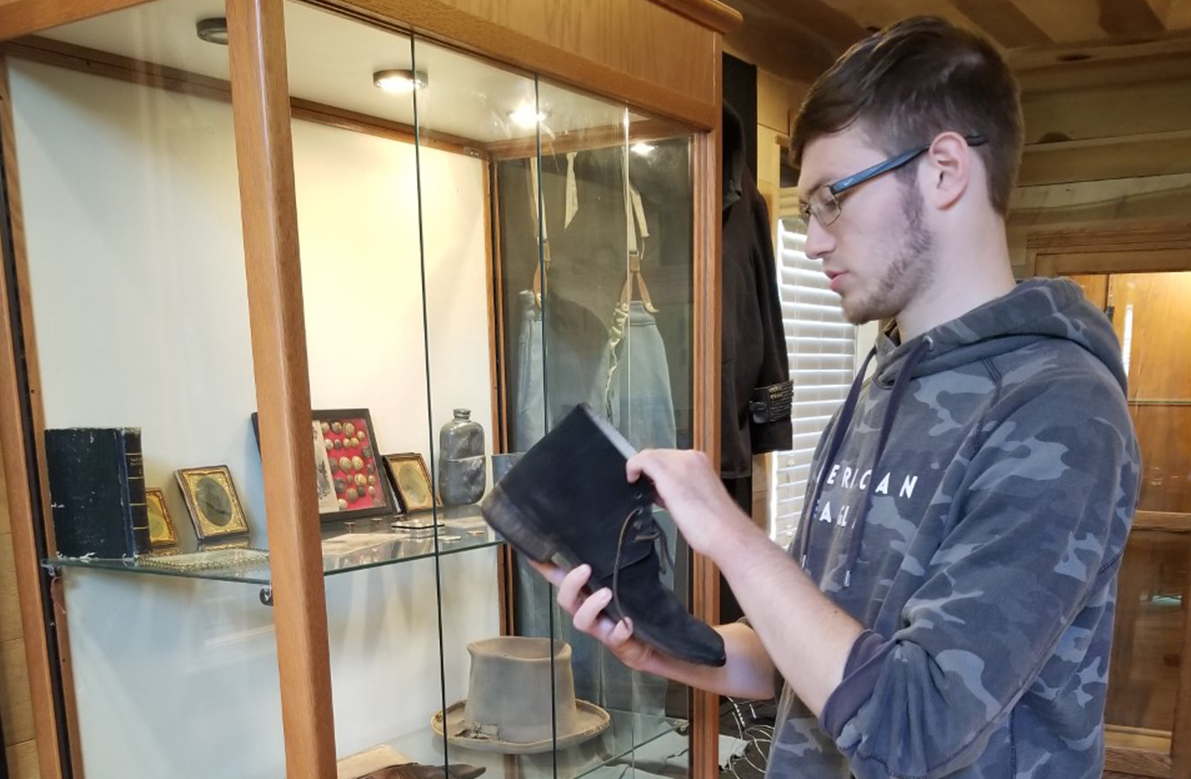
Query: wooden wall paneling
[
  {"x": 1107, "y": 110},
  {"x": 1094, "y": 286},
  {"x": 22, "y": 472},
  {"x": 1165, "y": 435},
  {"x": 619, "y": 58},
  {"x": 1102, "y": 63},
  {"x": 1095, "y": 159},
  {"x": 264, "y": 151},
  {"x": 1096, "y": 202},
  {"x": 1134, "y": 761},
  {"x": 777, "y": 98},
  {"x": 1171, "y": 522}
]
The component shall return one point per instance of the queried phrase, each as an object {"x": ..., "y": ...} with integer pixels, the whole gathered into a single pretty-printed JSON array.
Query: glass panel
[
  {"x": 355, "y": 165},
  {"x": 1151, "y": 314},
  {"x": 615, "y": 332},
  {"x": 496, "y": 702},
  {"x": 130, "y": 200}
]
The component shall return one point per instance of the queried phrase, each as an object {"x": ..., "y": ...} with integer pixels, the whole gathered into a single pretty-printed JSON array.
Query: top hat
[{"x": 508, "y": 700}]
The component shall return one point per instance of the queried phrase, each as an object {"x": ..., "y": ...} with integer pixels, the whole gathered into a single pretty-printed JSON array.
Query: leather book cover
[{"x": 97, "y": 491}]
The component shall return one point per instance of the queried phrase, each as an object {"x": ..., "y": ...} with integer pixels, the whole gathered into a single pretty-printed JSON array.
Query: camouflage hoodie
[{"x": 970, "y": 509}]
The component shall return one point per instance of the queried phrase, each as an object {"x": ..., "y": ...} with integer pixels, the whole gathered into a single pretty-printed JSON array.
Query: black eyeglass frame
[{"x": 868, "y": 174}]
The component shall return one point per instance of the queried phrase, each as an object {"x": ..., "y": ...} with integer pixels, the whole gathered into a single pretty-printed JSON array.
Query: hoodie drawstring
[
  {"x": 900, "y": 386},
  {"x": 837, "y": 437}
]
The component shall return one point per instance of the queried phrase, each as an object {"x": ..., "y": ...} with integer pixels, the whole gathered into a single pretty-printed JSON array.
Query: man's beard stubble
[{"x": 908, "y": 272}]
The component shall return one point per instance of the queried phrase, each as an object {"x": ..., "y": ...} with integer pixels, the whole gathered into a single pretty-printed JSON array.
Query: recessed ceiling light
[
  {"x": 213, "y": 30},
  {"x": 528, "y": 116},
  {"x": 642, "y": 148},
  {"x": 399, "y": 80}
]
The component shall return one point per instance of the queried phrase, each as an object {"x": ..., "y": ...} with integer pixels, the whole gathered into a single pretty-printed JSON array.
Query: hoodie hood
[{"x": 1034, "y": 310}]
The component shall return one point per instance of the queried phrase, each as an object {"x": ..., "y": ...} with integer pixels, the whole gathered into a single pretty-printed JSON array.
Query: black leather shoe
[
  {"x": 419, "y": 771},
  {"x": 568, "y": 498}
]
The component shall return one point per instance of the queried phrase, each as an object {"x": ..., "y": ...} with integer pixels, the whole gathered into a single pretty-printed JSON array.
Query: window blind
[{"x": 821, "y": 345}]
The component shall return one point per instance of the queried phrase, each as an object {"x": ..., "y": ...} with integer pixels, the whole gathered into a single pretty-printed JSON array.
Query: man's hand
[
  {"x": 586, "y": 609},
  {"x": 691, "y": 490}
]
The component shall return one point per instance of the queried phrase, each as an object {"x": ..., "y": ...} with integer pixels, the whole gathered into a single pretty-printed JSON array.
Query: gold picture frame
[
  {"x": 411, "y": 480},
  {"x": 212, "y": 502},
  {"x": 162, "y": 533}
]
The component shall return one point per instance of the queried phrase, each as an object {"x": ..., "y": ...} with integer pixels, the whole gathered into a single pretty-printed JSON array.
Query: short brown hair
[{"x": 910, "y": 82}]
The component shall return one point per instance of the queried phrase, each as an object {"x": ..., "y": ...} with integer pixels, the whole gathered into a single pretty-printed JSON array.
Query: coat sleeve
[
  {"x": 1035, "y": 538},
  {"x": 775, "y": 365}
]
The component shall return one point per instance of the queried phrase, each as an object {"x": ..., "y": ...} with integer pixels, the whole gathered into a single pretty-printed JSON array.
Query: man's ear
[{"x": 948, "y": 170}]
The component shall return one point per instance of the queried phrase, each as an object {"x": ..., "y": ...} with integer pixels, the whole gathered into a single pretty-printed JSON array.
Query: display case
[{"x": 288, "y": 286}]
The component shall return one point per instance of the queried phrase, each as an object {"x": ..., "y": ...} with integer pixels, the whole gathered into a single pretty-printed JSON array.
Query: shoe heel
[{"x": 515, "y": 527}]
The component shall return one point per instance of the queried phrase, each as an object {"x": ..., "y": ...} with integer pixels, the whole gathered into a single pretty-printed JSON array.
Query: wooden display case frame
[{"x": 568, "y": 44}]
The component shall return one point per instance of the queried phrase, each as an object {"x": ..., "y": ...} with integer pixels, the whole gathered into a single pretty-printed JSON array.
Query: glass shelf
[
  {"x": 347, "y": 546},
  {"x": 628, "y": 732}
]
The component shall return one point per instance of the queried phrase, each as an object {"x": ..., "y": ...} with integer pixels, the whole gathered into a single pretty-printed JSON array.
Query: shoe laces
[{"x": 647, "y": 529}]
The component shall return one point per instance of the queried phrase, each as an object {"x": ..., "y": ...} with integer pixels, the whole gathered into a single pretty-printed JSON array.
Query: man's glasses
[{"x": 824, "y": 202}]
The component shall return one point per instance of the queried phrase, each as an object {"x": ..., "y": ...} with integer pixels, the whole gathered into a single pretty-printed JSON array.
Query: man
[{"x": 946, "y": 608}]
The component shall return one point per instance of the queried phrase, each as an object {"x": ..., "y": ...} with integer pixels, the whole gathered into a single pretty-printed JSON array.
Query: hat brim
[{"x": 590, "y": 722}]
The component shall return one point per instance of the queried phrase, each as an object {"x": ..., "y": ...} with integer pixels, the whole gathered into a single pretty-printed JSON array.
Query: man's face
[{"x": 878, "y": 252}]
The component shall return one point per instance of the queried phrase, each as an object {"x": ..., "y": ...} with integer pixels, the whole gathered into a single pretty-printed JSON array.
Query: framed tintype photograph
[
  {"x": 162, "y": 534},
  {"x": 212, "y": 502},
  {"x": 412, "y": 481},
  {"x": 348, "y": 476}
]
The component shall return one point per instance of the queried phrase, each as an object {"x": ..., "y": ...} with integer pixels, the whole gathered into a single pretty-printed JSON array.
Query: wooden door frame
[{"x": 1163, "y": 247}]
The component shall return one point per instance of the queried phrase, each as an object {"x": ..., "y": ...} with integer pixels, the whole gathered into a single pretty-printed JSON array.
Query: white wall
[{"x": 139, "y": 305}]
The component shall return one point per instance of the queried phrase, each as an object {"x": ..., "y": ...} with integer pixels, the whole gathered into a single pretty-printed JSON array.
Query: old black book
[{"x": 97, "y": 491}]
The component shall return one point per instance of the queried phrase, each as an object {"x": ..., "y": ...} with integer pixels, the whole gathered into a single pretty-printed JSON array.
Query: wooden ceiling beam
[
  {"x": 1178, "y": 15},
  {"x": 1004, "y": 22},
  {"x": 1064, "y": 21},
  {"x": 1128, "y": 17},
  {"x": 798, "y": 47},
  {"x": 1101, "y": 159},
  {"x": 875, "y": 14},
  {"x": 812, "y": 15}
]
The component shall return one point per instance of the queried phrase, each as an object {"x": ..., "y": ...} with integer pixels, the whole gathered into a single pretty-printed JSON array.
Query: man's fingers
[
  {"x": 638, "y": 464},
  {"x": 621, "y": 633},
  {"x": 570, "y": 588},
  {"x": 588, "y": 614},
  {"x": 549, "y": 571}
]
